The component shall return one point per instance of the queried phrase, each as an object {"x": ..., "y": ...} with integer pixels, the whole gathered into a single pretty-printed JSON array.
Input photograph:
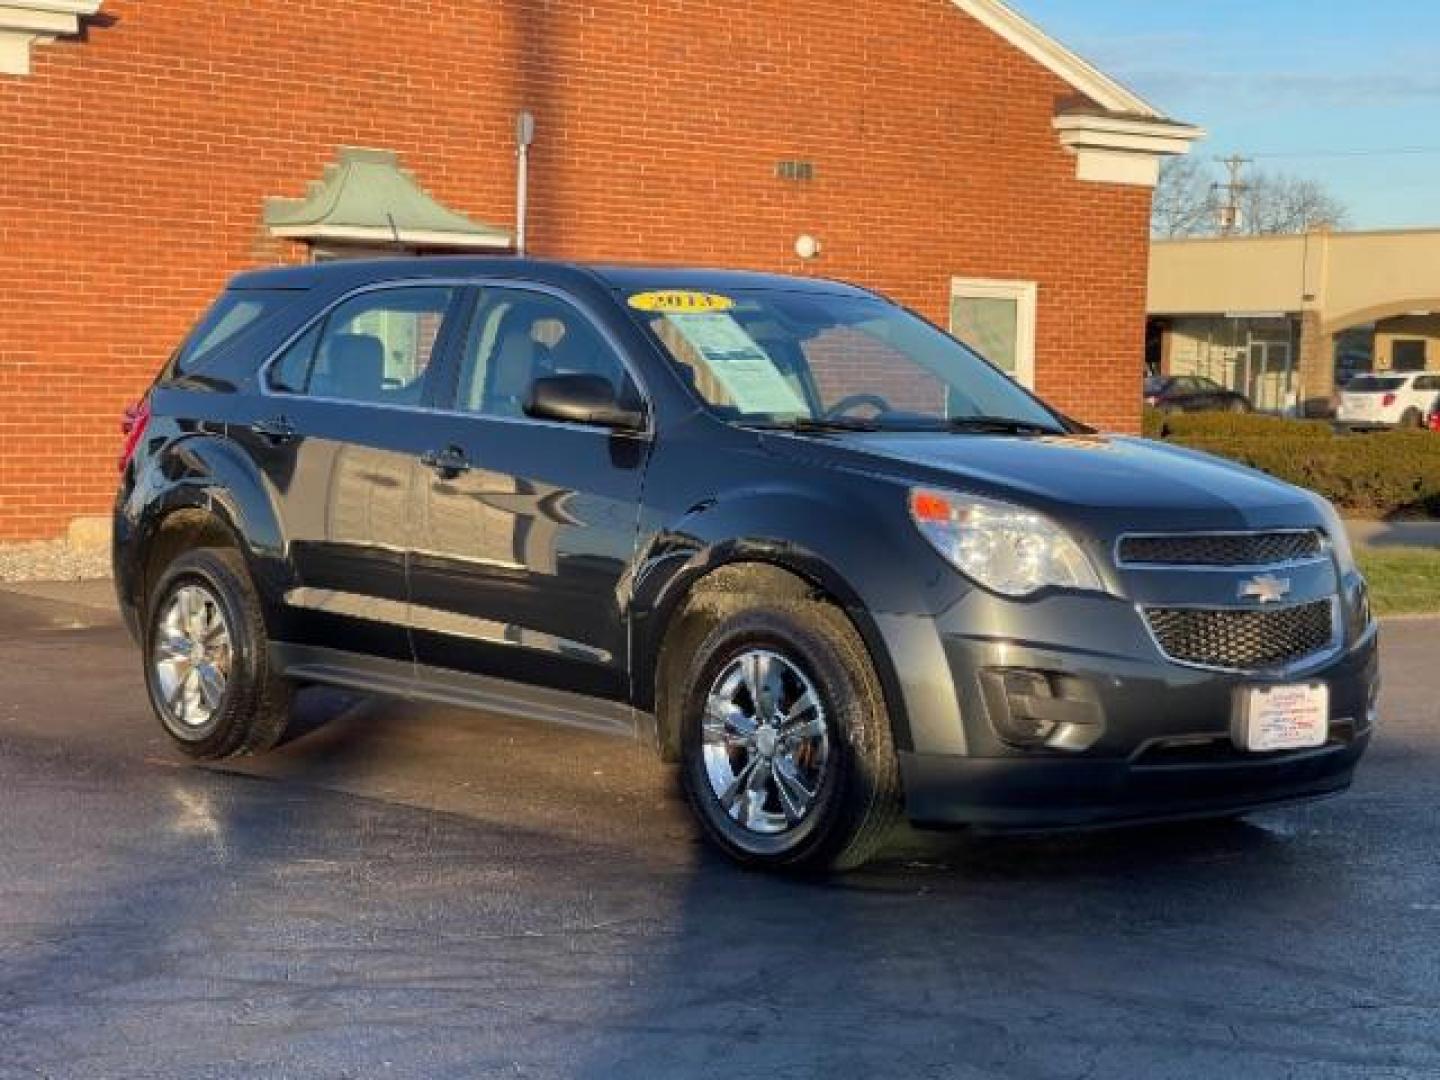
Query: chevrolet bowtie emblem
[{"x": 1267, "y": 589}]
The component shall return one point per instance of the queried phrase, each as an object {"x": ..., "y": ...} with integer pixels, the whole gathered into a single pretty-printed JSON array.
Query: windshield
[
  {"x": 772, "y": 357},
  {"x": 1373, "y": 384}
]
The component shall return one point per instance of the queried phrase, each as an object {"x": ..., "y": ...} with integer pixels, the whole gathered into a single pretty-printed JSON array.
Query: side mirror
[{"x": 582, "y": 399}]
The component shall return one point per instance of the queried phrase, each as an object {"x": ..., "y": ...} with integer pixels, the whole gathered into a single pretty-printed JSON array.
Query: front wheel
[
  {"x": 787, "y": 757},
  {"x": 206, "y": 659}
]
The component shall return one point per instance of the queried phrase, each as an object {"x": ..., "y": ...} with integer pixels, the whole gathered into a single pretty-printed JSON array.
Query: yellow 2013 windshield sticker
[{"x": 680, "y": 302}]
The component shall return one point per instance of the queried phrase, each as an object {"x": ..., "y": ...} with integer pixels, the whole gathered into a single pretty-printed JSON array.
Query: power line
[{"x": 1398, "y": 151}]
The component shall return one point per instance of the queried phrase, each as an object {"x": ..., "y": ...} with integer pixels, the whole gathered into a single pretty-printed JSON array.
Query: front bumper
[
  {"x": 1166, "y": 750},
  {"x": 1000, "y": 793}
]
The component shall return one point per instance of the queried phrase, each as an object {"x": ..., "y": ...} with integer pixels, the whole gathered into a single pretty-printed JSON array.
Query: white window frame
[{"x": 1026, "y": 295}]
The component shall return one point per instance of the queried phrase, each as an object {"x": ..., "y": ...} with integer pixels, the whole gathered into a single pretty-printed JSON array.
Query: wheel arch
[
  {"x": 199, "y": 491},
  {"x": 724, "y": 579}
]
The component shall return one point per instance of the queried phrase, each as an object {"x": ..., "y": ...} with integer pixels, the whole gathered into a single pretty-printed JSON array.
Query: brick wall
[{"x": 133, "y": 164}]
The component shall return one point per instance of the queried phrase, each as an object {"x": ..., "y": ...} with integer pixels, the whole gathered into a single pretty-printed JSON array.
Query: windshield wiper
[
  {"x": 805, "y": 424},
  {"x": 1004, "y": 425}
]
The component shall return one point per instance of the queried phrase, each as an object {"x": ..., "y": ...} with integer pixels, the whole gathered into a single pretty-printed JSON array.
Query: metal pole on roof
[{"x": 524, "y": 136}]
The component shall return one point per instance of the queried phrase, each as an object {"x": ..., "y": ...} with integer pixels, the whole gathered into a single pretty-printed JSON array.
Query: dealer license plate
[{"x": 1294, "y": 717}]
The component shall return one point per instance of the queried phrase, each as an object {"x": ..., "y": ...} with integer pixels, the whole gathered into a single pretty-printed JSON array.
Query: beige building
[{"x": 1279, "y": 317}]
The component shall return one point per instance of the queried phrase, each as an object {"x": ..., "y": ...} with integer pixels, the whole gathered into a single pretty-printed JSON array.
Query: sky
[{"x": 1303, "y": 86}]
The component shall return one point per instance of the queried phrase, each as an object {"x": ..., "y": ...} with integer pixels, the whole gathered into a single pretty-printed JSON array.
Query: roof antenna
[{"x": 394, "y": 230}]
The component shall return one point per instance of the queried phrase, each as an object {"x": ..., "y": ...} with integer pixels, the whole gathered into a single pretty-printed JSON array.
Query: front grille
[
  {"x": 1243, "y": 640},
  {"x": 1221, "y": 549}
]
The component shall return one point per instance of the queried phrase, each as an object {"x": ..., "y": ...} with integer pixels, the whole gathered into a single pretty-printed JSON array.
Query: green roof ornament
[{"x": 367, "y": 198}]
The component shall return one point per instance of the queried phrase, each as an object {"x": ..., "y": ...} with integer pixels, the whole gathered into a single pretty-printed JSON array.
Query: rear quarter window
[{"x": 234, "y": 315}]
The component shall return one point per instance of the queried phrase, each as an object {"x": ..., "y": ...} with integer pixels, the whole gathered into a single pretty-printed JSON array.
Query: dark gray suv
[{"x": 812, "y": 548}]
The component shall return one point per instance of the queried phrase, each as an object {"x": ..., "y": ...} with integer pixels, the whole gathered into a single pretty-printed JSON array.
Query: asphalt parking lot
[{"x": 422, "y": 892}]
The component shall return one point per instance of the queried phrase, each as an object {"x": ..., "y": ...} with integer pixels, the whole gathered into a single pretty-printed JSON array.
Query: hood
[{"x": 1116, "y": 482}]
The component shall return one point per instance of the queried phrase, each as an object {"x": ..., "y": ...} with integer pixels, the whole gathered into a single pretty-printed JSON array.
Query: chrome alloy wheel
[
  {"x": 766, "y": 743},
  {"x": 192, "y": 656}
]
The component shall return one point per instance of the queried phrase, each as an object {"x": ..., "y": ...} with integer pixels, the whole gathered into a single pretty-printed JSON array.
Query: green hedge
[
  {"x": 1219, "y": 425},
  {"x": 1387, "y": 474}
]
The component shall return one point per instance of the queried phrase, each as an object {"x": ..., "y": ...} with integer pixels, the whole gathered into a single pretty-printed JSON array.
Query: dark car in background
[
  {"x": 1193, "y": 393},
  {"x": 807, "y": 545}
]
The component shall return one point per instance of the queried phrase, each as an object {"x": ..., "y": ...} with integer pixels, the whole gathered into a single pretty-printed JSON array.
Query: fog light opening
[{"x": 1038, "y": 709}]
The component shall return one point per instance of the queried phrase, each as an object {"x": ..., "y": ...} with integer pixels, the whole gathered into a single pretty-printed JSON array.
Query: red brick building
[{"x": 944, "y": 151}]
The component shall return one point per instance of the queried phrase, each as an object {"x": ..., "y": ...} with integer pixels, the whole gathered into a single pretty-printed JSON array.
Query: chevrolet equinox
[{"x": 811, "y": 548}]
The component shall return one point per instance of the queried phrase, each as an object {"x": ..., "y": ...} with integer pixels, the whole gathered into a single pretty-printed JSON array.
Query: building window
[
  {"x": 1407, "y": 355},
  {"x": 997, "y": 320}
]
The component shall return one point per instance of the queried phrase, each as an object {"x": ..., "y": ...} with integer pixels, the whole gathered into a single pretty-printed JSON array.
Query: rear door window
[
  {"x": 234, "y": 314},
  {"x": 374, "y": 348}
]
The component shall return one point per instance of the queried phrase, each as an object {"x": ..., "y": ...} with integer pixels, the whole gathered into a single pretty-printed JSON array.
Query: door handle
[
  {"x": 276, "y": 430},
  {"x": 448, "y": 463}
]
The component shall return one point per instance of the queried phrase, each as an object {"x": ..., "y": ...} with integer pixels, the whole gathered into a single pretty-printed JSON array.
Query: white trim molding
[
  {"x": 364, "y": 234},
  {"x": 1026, "y": 296},
  {"x": 1122, "y": 137},
  {"x": 1121, "y": 150},
  {"x": 1046, "y": 51},
  {"x": 27, "y": 23}
]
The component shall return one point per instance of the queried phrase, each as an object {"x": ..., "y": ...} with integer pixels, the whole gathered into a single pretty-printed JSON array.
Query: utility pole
[{"x": 1228, "y": 208}]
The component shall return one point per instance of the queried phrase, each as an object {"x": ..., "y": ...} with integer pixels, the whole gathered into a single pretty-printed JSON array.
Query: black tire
[
  {"x": 1238, "y": 405},
  {"x": 858, "y": 799},
  {"x": 1412, "y": 419},
  {"x": 254, "y": 706}
]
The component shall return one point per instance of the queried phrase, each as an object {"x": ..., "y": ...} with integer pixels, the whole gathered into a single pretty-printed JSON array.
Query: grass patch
[{"x": 1403, "y": 581}]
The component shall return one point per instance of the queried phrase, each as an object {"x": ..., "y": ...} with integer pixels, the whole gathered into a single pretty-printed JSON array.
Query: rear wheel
[
  {"x": 206, "y": 659},
  {"x": 786, "y": 751},
  {"x": 1412, "y": 419},
  {"x": 1237, "y": 405}
]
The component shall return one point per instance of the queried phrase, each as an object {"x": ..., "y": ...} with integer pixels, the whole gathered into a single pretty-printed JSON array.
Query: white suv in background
[{"x": 1400, "y": 399}]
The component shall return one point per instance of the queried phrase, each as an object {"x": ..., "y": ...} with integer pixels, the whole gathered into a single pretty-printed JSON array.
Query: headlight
[
  {"x": 1005, "y": 548},
  {"x": 1338, "y": 534}
]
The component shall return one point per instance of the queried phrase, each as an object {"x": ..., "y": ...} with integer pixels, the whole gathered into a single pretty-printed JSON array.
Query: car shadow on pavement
[
  {"x": 459, "y": 895},
  {"x": 996, "y": 952}
]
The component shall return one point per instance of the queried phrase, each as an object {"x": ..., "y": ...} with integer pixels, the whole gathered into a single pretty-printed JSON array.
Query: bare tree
[
  {"x": 1188, "y": 202},
  {"x": 1184, "y": 201},
  {"x": 1276, "y": 203}
]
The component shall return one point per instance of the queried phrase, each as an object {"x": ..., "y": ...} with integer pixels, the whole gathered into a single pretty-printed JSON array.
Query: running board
[{"x": 415, "y": 682}]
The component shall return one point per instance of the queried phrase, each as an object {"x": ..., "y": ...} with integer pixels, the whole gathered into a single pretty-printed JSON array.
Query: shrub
[
  {"x": 1389, "y": 474},
  {"x": 1219, "y": 425},
  {"x": 1392, "y": 474}
]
